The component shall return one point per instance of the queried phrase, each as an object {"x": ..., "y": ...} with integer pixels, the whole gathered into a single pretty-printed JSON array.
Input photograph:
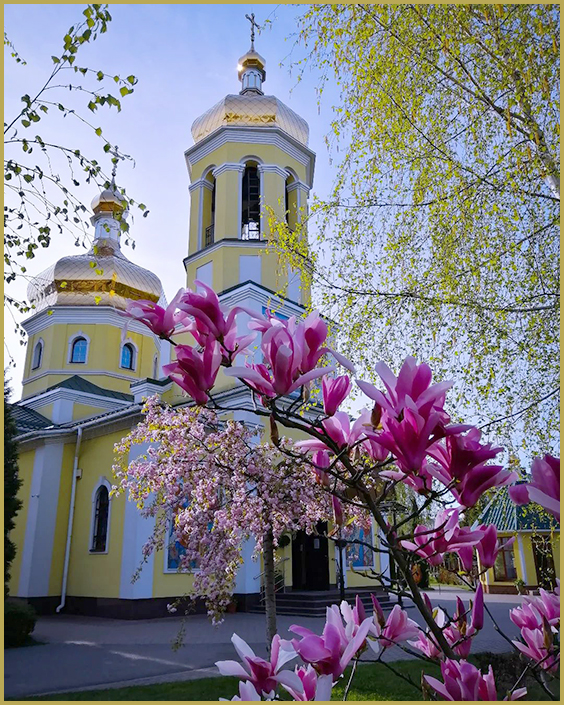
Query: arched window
[
  {"x": 101, "y": 517},
  {"x": 250, "y": 209},
  {"x": 37, "y": 355},
  {"x": 155, "y": 367},
  {"x": 128, "y": 357},
  {"x": 79, "y": 350}
]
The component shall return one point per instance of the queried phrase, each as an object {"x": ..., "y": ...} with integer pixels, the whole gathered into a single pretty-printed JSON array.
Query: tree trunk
[{"x": 269, "y": 591}]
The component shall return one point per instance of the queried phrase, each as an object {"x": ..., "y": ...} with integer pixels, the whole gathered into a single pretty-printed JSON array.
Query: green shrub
[{"x": 19, "y": 622}]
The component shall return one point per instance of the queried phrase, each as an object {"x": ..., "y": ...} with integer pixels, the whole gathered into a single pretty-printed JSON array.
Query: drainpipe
[{"x": 71, "y": 517}]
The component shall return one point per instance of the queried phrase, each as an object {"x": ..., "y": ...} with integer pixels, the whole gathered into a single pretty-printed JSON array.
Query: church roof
[
  {"x": 28, "y": 419},
  {"x": 507, "y": 517},
  {"x": 80, "y": 384},
  {"x": 251, "y": 110}
]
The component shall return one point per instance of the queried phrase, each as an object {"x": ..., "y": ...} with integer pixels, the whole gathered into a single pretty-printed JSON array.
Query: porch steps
[{"x": 314, "y": 603}]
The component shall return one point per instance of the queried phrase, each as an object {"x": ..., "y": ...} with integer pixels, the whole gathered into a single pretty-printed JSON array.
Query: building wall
[{"x": 25, "y": 471}]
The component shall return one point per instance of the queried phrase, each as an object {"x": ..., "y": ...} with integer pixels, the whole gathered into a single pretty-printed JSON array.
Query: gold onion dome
[
  {"x": 251, "y": 108},
  {"x": 103, "y": 276}
]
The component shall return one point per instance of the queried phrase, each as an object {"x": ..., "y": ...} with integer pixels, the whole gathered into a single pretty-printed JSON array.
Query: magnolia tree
[{"x": 405, "y": 437}]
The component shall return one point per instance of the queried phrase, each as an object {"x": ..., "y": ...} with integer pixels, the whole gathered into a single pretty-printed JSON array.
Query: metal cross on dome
[
  {"x": 115, "y": 160},
  {"x": 251, "y": 19}
]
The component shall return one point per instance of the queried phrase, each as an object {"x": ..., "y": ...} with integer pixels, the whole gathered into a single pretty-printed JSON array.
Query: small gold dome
[
  {"x": 108, "y": 200},
  {"x": 252, "y": 59}
]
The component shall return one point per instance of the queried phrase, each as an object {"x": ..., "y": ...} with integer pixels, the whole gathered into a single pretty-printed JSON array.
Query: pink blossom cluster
[
  {"x": 219, "y": 487},
  {"x": 538, "y": 618},
  {"x": 544, "y": 488},
  {"x": 458, "y": 631},
  {"x": 463, "y": 681}
]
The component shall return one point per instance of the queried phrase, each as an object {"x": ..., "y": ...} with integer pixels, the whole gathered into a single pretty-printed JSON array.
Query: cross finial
[
  {"x": 251, "y": 19},
  {"x": 116, "y": 156}
]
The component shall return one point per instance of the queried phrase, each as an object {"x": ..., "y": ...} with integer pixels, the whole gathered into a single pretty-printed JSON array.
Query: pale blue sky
[{"x": 185, "y": 57}]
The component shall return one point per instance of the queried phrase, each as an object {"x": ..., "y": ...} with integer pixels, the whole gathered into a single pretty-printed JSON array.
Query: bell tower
[{"x": 250, "y": 158}]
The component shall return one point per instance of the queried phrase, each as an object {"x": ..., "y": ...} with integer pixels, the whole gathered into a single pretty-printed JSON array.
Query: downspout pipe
[{"x": 71, "y": 518}]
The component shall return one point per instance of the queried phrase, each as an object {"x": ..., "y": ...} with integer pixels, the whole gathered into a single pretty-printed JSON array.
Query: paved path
[{"x": 89, "y": 652}]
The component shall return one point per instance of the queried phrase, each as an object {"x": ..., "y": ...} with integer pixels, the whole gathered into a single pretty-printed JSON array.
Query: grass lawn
[{"x": 372, "y": 682}]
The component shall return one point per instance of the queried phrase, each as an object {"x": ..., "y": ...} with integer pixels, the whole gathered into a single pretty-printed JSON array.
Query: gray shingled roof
[
  {"x": 506, "y": 516},
  {"x": 82, "y": 385}
]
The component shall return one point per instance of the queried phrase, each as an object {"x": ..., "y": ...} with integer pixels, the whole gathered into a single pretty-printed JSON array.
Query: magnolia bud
[
  {"x": 376, "y": 415},
  {"x": 274, "y": 435}
]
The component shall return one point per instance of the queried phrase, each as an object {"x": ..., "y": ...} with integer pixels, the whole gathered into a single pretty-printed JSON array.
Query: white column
[
  {"x": 136, "y": 532},
  {"x": 522, "y": 558},
  {"x": 37, "y": 551},
  {"x": 384, "y": 557}
]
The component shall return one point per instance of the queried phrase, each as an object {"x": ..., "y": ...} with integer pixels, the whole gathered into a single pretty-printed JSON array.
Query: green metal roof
[
  {"x": 82, "y": 385},
  {"x": 28, "y": 419},
  {"x": 506, "y": 516}
]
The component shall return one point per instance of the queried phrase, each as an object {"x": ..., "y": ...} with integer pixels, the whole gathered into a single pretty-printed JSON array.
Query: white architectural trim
[
  {"x": 273, "y": 169},
  {"x": 298, "y": 185},
  {"x": 71, "y": 342},
  {"x": 128, "y": 341},
  {"x": 251, "y": 158},
  {"x": 522, "y": 558},
  {"x": 227, "y": 166},
  {"x": 136, "y": 532},
  {"x": 252, "y": 291},
  {"x": 102, "y": 482},
  {"x": 84, "y": 315},
  {"x": 226, "y": 242},
  {"x": 84, "y": 373},
  {"x": 64, "y": 394},
  {"x": 37, "y": 549},
  {"x": 260, "y": 135}
]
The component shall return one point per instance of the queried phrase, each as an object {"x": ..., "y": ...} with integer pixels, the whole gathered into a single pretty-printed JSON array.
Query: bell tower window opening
[
  {"x": 101, "y": 516},
  {"x": 209, "y": 233},
  {"x": 37, "y": 356},
  {"x": 251, "y": 204}
]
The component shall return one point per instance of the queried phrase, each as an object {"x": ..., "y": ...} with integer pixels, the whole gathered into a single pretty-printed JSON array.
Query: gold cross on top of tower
[{"x": 251, "y": 19}]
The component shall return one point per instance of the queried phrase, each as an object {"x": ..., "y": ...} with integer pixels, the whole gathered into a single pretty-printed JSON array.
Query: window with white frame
[
  {"x": 128, "y": 357},
  {"x": 79, "y": 350},
  {"x": 101, "y": 520},
  {"x": 37, "y": 355}
]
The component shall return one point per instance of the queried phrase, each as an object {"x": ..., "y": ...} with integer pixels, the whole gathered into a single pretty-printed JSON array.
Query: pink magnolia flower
[
  {"x": 397, "y": 628},
  {"x": 338, "y": 515},
  {"x": 462, "y": 462},
  {"x": 447, "y": 535},
  {"x": 321, "y": 461},
  {"x": 163, "y": 322},
  {"x": 263, "y": 675},
  {"x": 488, "y": 547},
  {"x": 195, "y": 371},
  {"x": 335, "y": 390},
  {"x": 544, "y": 489},
  {"x": 463, "y": 681},
  {"x": 247, "y": 693},
  {"x": 314, "y": 687},
  {"x": 538, "y": 646},
  {"x": 331, "y": 652},
  {"x": 413, "y": 383}
]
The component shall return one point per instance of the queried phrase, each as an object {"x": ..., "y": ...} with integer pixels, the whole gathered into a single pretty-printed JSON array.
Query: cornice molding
[
  {"x": 43, "y": 399},
  {"x": 295, "y": 185},
  {"x": 83, "y": 373},
  {"x": 200, "y": 182},
  {"x": 224, "y": 242},
  {"x": 228, "y": 166},
  {"x": 256, "y": 136},
  {"x": 273, "y": 169},
  {"x": 84, "y": 315}
]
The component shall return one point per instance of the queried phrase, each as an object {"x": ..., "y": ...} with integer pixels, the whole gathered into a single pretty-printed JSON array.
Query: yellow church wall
[
  {"x": 169, "y": 584},
  {"x": 104, "y": 354},
  {"x": 96, "y": 574},
  {"x": 529, "y": 560},
  {"x": 17, "y": 535},
  {"x": 61, "y": 524},
  {"x": 84, "y": 411}
]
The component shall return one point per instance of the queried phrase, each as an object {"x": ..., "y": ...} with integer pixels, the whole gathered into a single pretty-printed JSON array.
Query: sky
[{"x": 185, "y": 59}]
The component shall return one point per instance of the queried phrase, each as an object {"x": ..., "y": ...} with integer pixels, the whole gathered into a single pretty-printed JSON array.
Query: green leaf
[
  {"x": 131, "y": 79},
  {"x": 98, "y": 131},
  {"x": 56, "y": 60},
  {"x": 124, "y": 90},
  {"x": 26, "y": 123}
]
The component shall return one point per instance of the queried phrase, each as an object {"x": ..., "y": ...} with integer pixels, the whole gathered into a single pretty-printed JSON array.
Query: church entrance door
[{"x": 310, "y": 560}]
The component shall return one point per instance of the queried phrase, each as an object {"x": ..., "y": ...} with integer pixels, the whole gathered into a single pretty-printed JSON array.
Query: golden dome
[
  {"x": 108, "y": 200},
  {"x": 106, "y": 278},
  {"x": 251, "y": 110}
]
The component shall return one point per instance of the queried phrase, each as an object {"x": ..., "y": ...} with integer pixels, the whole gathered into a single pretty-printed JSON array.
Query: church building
[{"x": 83, "y": 385}]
